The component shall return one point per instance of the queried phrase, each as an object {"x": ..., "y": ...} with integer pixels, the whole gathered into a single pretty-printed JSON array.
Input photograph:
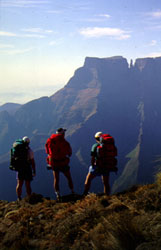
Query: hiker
[
  {"x": 103, "y": 161},
  {"x": 22, "y": 161},
  {"x": 59, "y": 151}
]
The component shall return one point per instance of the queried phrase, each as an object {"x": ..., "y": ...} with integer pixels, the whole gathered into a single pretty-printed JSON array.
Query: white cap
[
  {"x": 26, "y": 139},
  {"x": 60, "y": 131},
  {"x": 98, "y": 134}
]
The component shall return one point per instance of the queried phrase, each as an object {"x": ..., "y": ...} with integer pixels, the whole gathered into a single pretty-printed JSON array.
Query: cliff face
[
  {"x": 150, "y": 81},
  {"x": 144, "y": 159},
  {"x": 104, "y": 95}
]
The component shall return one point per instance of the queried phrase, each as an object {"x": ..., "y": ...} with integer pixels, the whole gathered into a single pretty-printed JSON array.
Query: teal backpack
[{"x": 19, "y": 155}]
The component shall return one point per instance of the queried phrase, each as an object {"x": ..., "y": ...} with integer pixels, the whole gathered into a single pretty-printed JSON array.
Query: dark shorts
[
  {"x": 98, "y": 172},
  {"x": 61, "y": 169},
  {"x": 25, "y": 174}
]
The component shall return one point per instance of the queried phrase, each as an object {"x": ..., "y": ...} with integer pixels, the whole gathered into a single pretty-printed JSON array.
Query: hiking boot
[
  {"x": 85, "y": 194},
  {"x": 19, "y": 199},
  {"x": 58, "y": 197}
]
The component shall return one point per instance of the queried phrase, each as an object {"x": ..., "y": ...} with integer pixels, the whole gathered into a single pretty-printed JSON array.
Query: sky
[{"x": 43, "y": 42}]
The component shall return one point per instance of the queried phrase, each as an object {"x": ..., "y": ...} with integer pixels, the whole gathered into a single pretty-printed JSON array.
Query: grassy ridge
[{"x": 125, "y": 221}]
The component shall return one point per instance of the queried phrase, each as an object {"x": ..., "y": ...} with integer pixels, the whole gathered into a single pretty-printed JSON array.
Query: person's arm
[
  {"x": 92, "y": 160},
  {"x": 93, "y": 155}
]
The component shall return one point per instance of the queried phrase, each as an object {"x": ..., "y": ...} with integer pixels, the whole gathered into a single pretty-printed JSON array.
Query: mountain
[
  {"x": 129, "y": 220},
  {"x": 10, "y": 107},
  {"x": 105, "y": 94}
]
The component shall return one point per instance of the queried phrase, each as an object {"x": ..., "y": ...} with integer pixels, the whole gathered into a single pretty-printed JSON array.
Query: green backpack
[{"x": 19, "y": 155}]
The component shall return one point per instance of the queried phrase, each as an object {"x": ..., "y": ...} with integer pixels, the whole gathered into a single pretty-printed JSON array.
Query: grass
[{"x": 123, "y": 221}]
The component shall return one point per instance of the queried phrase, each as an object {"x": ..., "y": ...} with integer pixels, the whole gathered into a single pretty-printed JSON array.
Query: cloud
[
  {"x": 37, "y": 30},
  {"x": 97, "y": 32},
  {"x": 5, "y": 33},
  {"x": 16, "y": 51},
  {"x": 53, "y": 43},
  {"x": 4, "y": 46},
  {"x": 22, "y": 3},
  {"x": 154, "y": 14},
  {"x": 123, "y": 37},
  {"x": 32, "y": 33},
  {"x": 154, "y": 54},
  {"x": 153, "y": 43},
  {"x": 54, "y": 11},
  {"x": 96, "y": 18},
  {"x": 104, "y": 15},
  {"x": 56, "y": 42},
  {"x": 10, "y": 34}
]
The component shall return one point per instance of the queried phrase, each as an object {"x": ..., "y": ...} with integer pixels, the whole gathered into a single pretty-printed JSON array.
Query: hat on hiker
[
  {"x": 60, "y": 131},
  {"x": 26, "y": 139},
  {"x": 98, "y": 134}
]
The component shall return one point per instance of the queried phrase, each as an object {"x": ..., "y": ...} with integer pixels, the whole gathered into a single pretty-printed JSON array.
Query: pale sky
[{"x": 42, "y": 42}]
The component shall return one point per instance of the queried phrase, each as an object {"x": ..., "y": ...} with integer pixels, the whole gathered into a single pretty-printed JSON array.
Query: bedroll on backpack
[
  {"x": 58, "y": 150},
  {"x": 19, "y": 155},
  {"x": 106, "y": 153}
]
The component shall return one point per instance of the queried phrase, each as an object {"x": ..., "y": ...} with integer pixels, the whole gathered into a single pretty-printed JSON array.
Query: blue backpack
[{"x": 19, "y": 155}]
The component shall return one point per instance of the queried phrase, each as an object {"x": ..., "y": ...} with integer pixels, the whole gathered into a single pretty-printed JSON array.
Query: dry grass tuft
[{"x": 158, "y": 180}]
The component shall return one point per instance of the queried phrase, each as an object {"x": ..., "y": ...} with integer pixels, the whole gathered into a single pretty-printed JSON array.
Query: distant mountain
[
  {"x": 10, "y": 107},
  {"x": 105, "y": 94}
]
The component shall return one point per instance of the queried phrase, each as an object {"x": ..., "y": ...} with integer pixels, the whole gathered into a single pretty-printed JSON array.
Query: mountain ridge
[{"x": 10, "y": 107}]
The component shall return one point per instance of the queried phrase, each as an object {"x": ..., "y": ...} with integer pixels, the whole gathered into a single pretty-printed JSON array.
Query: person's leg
[
  {"x": 19, "y": 188},
  {"x": 28, "y": 187},
  {"x": 69, "y": 178},
  {"x": 106, "y": 184},
  {"x": 56, "y": 183},
  {"x": 87, "y": 183},
  {"x": 56, "y": 180}
]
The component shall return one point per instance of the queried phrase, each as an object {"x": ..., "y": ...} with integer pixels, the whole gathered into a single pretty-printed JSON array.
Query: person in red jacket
[{"x": 59, "y": 151}]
